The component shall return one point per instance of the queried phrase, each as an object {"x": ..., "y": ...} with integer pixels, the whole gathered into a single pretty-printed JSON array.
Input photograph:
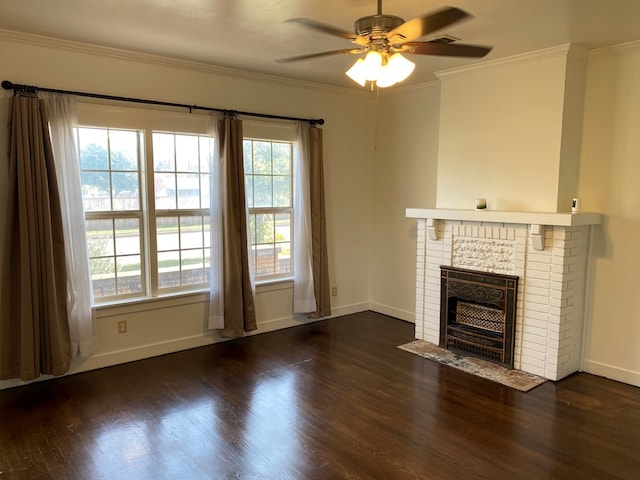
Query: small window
[
  {"x": 269, "y": 187},
  {"x": 181, "y": 193}
]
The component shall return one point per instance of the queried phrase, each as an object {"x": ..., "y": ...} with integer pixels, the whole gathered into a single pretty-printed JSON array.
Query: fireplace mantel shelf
[{"x": 504, "y": 216}]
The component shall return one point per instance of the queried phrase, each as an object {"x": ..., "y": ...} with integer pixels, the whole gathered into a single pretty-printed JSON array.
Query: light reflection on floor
[{"x": 207, "y": 436}]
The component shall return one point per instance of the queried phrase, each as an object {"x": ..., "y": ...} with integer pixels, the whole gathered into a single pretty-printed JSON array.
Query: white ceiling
[{"x": 250, "y": 34}]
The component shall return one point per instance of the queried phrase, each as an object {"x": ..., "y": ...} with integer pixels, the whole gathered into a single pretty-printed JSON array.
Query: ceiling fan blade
[
  {"x": 319, "y": 55},
  {"x": 422, "y": 26},
  {"x": 329, "y": 29},
  {"x": 447, "y": 49}
]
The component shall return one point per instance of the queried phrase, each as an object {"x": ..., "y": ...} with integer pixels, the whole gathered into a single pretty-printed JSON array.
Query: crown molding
[
  {"x": 563, "y": 50},
  {"x": 616, "y": 50},
  {"x": 411, "y": 88},
  {"x": 171, "y": 62}
]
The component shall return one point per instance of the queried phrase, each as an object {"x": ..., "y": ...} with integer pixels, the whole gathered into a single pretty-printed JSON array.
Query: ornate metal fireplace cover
[{"x": 478, "y": 313}]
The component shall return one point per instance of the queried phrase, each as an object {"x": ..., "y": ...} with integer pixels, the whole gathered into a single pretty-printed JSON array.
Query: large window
[
  {"x": 146, "y": 188},
  {"x": 145, "y": 183}
]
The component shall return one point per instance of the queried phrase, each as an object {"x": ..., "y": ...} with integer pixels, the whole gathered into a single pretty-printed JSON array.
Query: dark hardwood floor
[{"x": 335, "y": 399}]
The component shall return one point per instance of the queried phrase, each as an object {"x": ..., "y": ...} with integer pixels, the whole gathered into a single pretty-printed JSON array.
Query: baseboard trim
[
  {"x": 141, "y": 352},
  {"x": 612, "y": 372},
  {"x": 405, "y": 315}
]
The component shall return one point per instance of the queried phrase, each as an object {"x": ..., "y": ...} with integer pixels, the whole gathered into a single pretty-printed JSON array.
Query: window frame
[
  {"x": 94, "y": 113},
  {"x": 274, "y": 132},
  {"x": 145, "y": 122}
]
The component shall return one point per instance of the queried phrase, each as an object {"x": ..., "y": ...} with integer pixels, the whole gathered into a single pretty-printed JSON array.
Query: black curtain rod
[{"x": 7, "y": 85}]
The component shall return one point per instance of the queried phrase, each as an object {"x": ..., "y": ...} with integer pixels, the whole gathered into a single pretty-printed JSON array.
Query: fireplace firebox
[{"x": 478, "y": 313}]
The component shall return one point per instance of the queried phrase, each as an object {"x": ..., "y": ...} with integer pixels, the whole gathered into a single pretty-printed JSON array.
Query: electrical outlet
[
  {"x": 334, "y": 291},
  {"x": 122, "y": 326}
]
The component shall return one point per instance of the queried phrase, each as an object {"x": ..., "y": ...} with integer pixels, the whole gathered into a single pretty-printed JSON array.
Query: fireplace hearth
[{"x": 478, "y": 313}]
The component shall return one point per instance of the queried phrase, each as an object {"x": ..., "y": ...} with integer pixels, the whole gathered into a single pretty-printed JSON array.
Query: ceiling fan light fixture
[
  {"x": 374, "y": 68},
  {"x": 372, "y": 65},
  {"x": 401, "y": 67},
  {"x": 356, "y": 73}
]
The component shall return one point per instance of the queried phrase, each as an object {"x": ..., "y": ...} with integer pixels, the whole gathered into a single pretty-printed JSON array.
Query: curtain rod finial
[{"x": 7, "y": 85}]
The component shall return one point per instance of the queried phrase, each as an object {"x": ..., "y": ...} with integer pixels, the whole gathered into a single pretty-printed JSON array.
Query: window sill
[{"x": 144, "y": 304}]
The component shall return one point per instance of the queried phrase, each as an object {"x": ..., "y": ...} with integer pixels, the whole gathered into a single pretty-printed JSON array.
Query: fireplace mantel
[{"x": 504, "y": 216}]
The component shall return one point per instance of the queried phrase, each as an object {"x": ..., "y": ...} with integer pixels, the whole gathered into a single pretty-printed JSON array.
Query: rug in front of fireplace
[{"x": 517, "y": 379}]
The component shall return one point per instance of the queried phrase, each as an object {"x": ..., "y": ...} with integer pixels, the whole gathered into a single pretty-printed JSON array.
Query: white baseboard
[
  {"x": 407, "y": 316},
  {"x": 141, "y": 352},
  {"x": 614, "y": 373},
  {"x": 349, "y": 309}
]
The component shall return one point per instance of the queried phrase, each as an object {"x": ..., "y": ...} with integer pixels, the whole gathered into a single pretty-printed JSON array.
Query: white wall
[
  {"x": 501, "y": 133},
  {"x": 405, "y": 173},
  {"x": 610, "y": 183},
  {"x": 175, "y": 324}
]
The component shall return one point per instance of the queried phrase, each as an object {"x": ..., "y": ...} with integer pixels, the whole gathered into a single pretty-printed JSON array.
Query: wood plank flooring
[{"x": 331, "y": 400}]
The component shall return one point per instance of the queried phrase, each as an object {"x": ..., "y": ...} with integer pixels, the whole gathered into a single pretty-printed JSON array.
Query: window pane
[
  {"x": 192, "y": 267},
  {"x": 281, "y": 191},
  {"x": 129, "y": 276},
  {"x": 167, "y": 233},
  {"x": 100, "y": 240},
  {"x": 188, "y": 190},
  {"x": 163, "y": 152},
  {"x": 265, "y": 260},
  {"x": 262, "y": 158},
  {"x": 123, "y": 145},
  {"x": 93, "y": 148},
  {"x": 283, "y": 227},
  {"x": 191, "y": 232},
  {"x": 101, "y": 248},
  {"x": 206, "y": 153},
  {"x": 248, "y": 190},
  {"x": 282, "y": 159},
  {"x": 96, "y": 191},
  {"x": 125, "y": 191},
  {"x": 206, "y": 232},
  {"x": 283, "y": 260},
  {"x": 127, "y": 236},
  {"x": 247, "y": 154},
  {"x": 205, "y": 184},
  {"x": 262, "y": 194},
  {"x": 187, "y": 153},
  {"x": 185, "y": 182},
  {"x": 168, "y": 269},
  {"x": 103, "y": 276},
  {"x": 165, "y": 191},
  {"x": 264, "y": 228}
]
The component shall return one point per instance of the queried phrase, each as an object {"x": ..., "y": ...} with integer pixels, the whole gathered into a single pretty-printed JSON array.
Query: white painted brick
[
  {"x": 538, "y": 266},
  {"x": 531, "y": 299},
  {"x": 534, "y": 346},
  {"x": 532, "y": 330},
  {"x": 541, "y": 291},
  {"x": 533, "y": 315},
  {"x": 535, "y": 282},
  {"x": 559, "y": 268},
  {"x": 534, "y": 358},
  {"x": 559, "y": 233},
  {"x": 536, "y": 274}
]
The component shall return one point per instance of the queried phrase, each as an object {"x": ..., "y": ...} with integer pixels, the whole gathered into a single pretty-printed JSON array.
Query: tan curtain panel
[
  {"x": 320, "y": 263},
  {"x": 34, "y": 329},
  {"x": 239, "y": 307}
]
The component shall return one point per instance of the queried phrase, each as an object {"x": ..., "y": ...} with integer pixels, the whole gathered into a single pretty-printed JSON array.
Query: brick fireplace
[{"x": 548, "y": 252}]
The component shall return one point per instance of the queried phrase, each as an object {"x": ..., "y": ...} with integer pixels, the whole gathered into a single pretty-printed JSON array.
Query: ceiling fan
[{"x": 383, "y": 38}]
